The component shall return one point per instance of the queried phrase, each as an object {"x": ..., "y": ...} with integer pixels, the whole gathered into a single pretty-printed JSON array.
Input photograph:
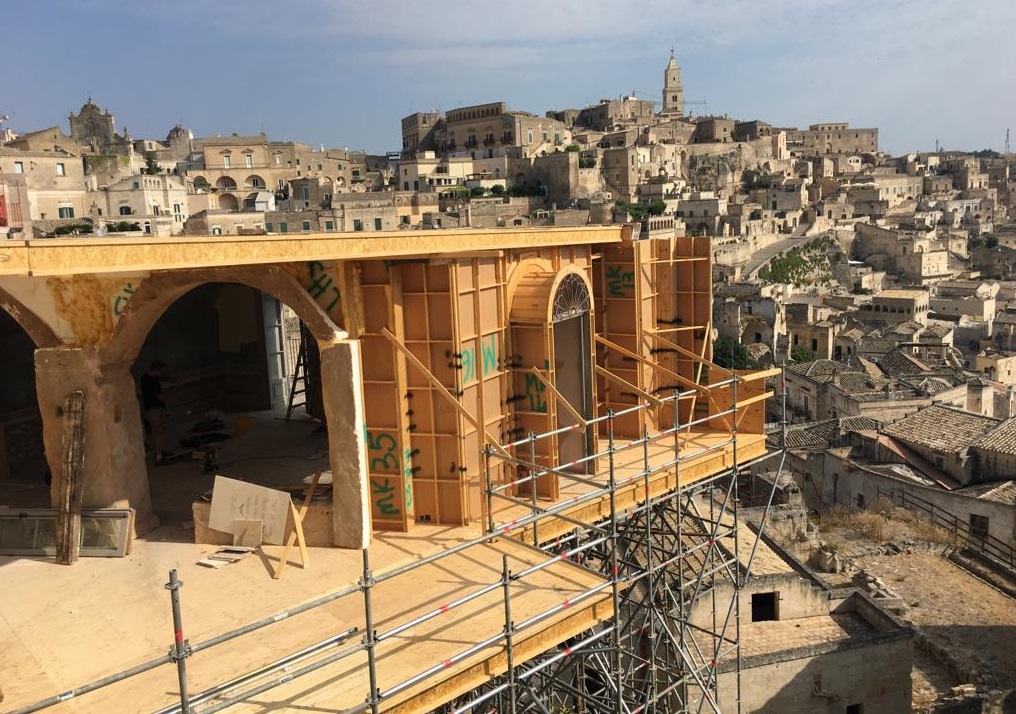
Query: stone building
[
  {"x": 158, "y": 204},
  {"x": 943, "y": 435},
  {"x": 419, "y": 132},
  {"x": 832, "y": 138},
  {"x": 895, "y": 306},
  {"x": 54, "y": 182},
  {"x": 95, "y": 131}
]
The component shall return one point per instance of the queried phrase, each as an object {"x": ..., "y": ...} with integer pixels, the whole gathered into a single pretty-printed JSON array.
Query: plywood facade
[
  {"x": 654, "y": 299},
  {"x": 452, "y": 350},
  {"x": 472, "y": 334}
]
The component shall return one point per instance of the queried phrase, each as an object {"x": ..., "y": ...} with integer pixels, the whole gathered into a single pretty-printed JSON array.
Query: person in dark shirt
[{"x": 153, "y": 406}]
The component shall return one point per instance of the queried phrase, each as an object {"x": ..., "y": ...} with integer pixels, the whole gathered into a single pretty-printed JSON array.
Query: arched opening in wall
[
  {"x": 226, "y": 184},
  {"x": 228, "y": 202},
  {"x": 215, "y": 375},
  {"x": 23, "y": 468},
  {"x": 573, "y": 366},
  {"x": 550, "y": 342}
]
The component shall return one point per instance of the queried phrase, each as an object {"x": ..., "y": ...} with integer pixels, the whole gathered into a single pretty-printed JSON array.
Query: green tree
[
  {"x": 731, "y": 354},
  {"x": 477, "y": 192},
  {"x": 151, "y": 164},
  {"x": 573, "y": 147},
  {"x": 657, "y": 207},
  {"x": 799, "y": 354},
  {"x": 497, "y": 189},
  {"x": 991, "y": 242},
  {"x": 636, "y": 210}
]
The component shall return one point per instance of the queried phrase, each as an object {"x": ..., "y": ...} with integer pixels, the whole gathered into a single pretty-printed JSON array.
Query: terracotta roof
[
  {"x": 1004, "y": 493},
  {"x": 824, "y": 433},
  {"x": 875, "y": 345},
  {"x": 941, "y": 428},
  {"x": 997, "y": 491},
  {"x": 1001, "y": 439},
  {"x": 820, "y": 370},
  {"x": 897, "y": 363}
]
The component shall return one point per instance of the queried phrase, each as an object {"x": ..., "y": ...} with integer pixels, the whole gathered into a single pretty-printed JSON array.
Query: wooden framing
[
  {"x": 536, "y": 404},
  {"x": 385, "y": 385}
]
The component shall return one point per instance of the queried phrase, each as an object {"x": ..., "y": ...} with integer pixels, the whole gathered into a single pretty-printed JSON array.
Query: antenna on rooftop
[{"x": 1007, "y": 141}]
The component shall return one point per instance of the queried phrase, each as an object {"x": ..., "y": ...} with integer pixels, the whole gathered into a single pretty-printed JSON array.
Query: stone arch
[
  {"x": 225, "y": 183},
  {"x": 228, "y": 202},
  {"x": 340, "y": 374},
  {"x": 37, "y": 329},
  {"x": 255, "y": 181},
  {"x": 23, "y": 449},
  {"x": 155, "y": 294}
]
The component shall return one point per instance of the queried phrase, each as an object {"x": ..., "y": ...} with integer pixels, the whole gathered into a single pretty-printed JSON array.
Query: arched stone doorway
[
  {"x": 115, "y": 468},
  {"x": 228, "y": 202},
  {"x": 22, "y": 456},
  {"x": 225, "y": 395}
]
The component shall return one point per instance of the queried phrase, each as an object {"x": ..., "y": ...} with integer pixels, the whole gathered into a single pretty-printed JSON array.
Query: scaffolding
[{"x": 645, "y": 540}]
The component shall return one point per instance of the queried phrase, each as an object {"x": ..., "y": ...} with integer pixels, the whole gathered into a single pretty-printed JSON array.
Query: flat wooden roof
[{"x": 64, "y": 256}]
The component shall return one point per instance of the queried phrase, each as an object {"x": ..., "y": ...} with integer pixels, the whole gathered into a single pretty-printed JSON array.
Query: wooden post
[
  {"x": 68, "y": 520},
  {"x": 297, "y": 535}
]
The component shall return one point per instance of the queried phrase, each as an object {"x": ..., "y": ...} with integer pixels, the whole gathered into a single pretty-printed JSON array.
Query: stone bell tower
[{"x": 673, "y": 94}]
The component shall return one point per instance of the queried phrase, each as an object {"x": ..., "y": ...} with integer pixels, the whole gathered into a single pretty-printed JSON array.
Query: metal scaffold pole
[
  {"x": 370, "y": 634},
  {"x": 180, "y": 649}
]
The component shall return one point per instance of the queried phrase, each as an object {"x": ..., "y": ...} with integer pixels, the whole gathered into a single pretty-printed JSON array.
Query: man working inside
[{"x": 153, "y": 407}]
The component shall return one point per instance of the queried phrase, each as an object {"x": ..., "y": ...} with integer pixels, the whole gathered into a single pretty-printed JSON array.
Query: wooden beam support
[
  {"x": 625, "y": 383},
  {"x": 747, "y": 402},
  {"x": 114, "y": 255},
  {"x": 690, "y": 354},
  {"x": 763, "y": 374},
  {"x": 441, "y": 389},
  {"x": 297, "y": 535},
  {"x": 670, "y": 373},
  {"x": 567, "y": 405},
  {"x": 68, "y": 519}
]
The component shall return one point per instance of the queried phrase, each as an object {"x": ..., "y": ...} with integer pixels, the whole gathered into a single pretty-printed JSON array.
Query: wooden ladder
[{"x": 298, "y": 386}]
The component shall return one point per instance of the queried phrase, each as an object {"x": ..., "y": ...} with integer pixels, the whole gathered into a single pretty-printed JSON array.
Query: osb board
[
  {"x": 317, "y": 526},
  {"x": 631, "y": 490},
  {"x": 50, "y": 654}
]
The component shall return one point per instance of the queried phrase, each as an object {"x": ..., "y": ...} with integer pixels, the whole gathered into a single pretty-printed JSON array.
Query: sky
[{"x": 342, "y": 73}]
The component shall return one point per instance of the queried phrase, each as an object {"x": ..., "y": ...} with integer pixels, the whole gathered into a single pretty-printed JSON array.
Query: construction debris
[{"x": 225, "y": 555}]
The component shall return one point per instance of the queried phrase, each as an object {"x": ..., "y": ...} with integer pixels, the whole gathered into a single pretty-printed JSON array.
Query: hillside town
[{"x": 874, "y": 295}]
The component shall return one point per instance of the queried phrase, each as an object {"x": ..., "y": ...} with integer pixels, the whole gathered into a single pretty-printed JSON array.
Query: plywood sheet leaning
[{"x": 234, "y": 500}]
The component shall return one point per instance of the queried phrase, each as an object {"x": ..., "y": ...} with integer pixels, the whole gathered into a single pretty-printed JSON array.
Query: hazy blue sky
[{"x": 343, "y": 73}]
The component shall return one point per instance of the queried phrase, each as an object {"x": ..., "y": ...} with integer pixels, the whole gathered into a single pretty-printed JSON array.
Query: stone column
[
  {"x": 115, "y": 472},
  {"x": 342, "y": 391}
]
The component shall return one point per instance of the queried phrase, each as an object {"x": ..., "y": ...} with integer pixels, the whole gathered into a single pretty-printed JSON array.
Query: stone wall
[{"x": 871, "y": 669}]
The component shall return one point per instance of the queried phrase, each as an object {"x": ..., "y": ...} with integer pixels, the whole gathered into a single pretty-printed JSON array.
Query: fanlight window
[{"x": 571, "y": 298}]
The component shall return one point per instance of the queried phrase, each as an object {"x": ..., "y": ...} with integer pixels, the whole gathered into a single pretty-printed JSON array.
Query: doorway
[
  {"x": 22, "y": 457},
  {"x": 225, "y": 382},
  {"x": 572, "y": 370}
]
